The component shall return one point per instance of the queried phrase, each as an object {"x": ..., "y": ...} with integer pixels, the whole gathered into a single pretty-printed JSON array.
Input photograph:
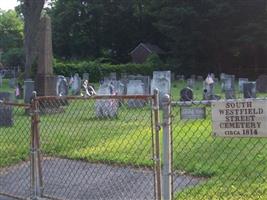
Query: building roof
[{"x": 149, "y": 47}]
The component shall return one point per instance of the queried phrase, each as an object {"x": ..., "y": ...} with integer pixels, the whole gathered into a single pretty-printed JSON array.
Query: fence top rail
[
  {"x": 208, "y": 102},
  {"x": 7, "y": 103},
  {"x": 95, "y": 97}
]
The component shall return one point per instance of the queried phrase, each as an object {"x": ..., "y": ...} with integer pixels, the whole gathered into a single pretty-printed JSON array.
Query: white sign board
[
  {"x": 239, "y": 118},
  {"x": 192, "y": 113}
]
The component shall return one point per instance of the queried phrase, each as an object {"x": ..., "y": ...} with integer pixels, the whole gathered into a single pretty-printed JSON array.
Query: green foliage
[
  {"x": 98, "y": 70},
  {"x": 13, "y": 57},
  {"x": 11, "y": 30}
]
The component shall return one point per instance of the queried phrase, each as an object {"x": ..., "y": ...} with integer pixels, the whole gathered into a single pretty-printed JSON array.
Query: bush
[{"x": 98, "y": 70}]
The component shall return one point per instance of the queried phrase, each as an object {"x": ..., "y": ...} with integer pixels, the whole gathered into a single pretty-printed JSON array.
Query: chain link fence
[
  {"x": 96, "y": 148},
  {"x": 15, "y": 132},
  {"x": 209, "y": 167}
]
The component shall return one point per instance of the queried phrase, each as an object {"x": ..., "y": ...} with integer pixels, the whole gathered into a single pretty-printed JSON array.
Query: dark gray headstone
[
  {"x": 12, "y": 82},
  {"x": 113, "y": 76},
  {"x": 249, "y": 90},
  {"x": 6, "y": 118},
  {"x": 28, "y": 89},
  {"x": 241, "y": 81},
  {"x": 186, "y": 94},
  {"x": 261, "y": 83}
]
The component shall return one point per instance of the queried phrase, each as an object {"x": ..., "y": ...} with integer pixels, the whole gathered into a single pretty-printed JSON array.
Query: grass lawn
[{"x": 233, "y": 168}]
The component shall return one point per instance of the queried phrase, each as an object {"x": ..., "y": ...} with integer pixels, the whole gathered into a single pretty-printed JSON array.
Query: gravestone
[
  {"x": 261, "y": 83},
  {"x": 135, "y": 87},
  {"x": 12, "y": 82},
  {"x": 106, "y": 108},
  {"x": 113, "y": 76},
  {"x": 200, "y": 78},
  {"x": 208, "y": 92},
  {"x": 119, "y": 87},
  {"x": 241, "y": 81},
  {"x": 186, "y": 94},
  {"x": 45, "y": 80},
  {"x": 76, "y": 85},
  {"x": 162, "y": 82},
  {"x": 85, "y": 76},
  {"x": 28, "y": 90},
  {"x": 180, "y": 77},
  {"x": 6, "y": 116},
  {"x": 229, "y": 86},
  {"x": 249, "y": 90},
  {"x": 191, "y": 83},
  {"x": 62, "y": 86},
  {"x": 145, "y": 79}
]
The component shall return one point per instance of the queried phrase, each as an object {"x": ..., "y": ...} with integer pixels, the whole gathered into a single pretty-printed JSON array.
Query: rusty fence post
[
  {"x": 167, "y": 169},
  {"x": 157, "y": 161},
  {"x": 35, "y": 161}
]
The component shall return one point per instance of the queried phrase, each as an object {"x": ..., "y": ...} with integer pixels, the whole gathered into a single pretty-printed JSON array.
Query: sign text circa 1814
[{"x": 239, "y": 118}]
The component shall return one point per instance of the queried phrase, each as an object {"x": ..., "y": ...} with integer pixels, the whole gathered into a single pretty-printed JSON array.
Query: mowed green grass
[{"x": 230, "y": 168}]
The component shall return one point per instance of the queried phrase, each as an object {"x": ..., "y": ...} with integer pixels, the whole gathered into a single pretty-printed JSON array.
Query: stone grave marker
[
  {"x": 186, "y": 94},
  {"x": 6, "y": 112},
  {"x": 135, "y": 87},
  {"x": 12, "y": 82},
  {"x": 261, "y": 83},
  {"x": 200, "y": 78},
  {"x": 45, "y": 79},
  {"x": 62, "y": 86},
  {"x": 191, "y": 83},
  {"x": 85, "y": 76},
  {"x": 229, "y": 88},
  {"x": 161, "y": 81},
  {"x": 208, "y": 91},
  {"x": 106, "y": 108},
  {"x": 113, "y": 76},
  {"x": 28, "y": 90},
  {"x": 76, "y": 85},
  {"x": 180, "y": 77},
  {"x": 249, "y": 90},
  {"x": 241, "y": 81}
]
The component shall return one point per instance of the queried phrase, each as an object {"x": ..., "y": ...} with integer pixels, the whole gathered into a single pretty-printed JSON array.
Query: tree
[
  {"x": 11, "y": 38},
  {"x": 31, "y": 10}
]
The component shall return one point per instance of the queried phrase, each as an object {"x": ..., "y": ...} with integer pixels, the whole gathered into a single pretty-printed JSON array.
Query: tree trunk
[{"x": 31, "y": 10}]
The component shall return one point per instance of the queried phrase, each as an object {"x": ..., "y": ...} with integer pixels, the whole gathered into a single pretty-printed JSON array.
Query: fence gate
[
  {"x": 229, "y": 166},
  {"x": 15, "y": 134},
  {"x": 97, "y": 148}
]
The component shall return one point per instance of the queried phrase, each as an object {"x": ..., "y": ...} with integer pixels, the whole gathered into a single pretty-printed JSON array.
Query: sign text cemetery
[{"x": 240, "y": 118}]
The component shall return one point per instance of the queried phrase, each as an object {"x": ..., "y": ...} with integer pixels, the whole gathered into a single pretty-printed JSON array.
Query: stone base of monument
[{"x": 46, "y": 85}]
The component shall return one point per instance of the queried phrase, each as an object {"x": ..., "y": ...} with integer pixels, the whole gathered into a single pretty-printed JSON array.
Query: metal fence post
[
  {"x": 157, "y": 144},
  {"x": 36, "y": 171},
  {"x": 166, "y": 179}
]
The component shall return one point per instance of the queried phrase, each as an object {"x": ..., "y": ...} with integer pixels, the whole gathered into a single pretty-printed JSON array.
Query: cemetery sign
[{"x": 240, "y": 118}]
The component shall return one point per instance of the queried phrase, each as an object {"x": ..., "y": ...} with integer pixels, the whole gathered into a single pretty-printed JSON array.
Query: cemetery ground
[{"x": 229, "y": 168}]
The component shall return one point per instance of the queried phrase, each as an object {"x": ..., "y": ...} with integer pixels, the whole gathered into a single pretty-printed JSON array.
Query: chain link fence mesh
[
  {"x": 97, "y": 148},
  {"x": 15, "y": 129},
  {"x": 208, "y": 167}
]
